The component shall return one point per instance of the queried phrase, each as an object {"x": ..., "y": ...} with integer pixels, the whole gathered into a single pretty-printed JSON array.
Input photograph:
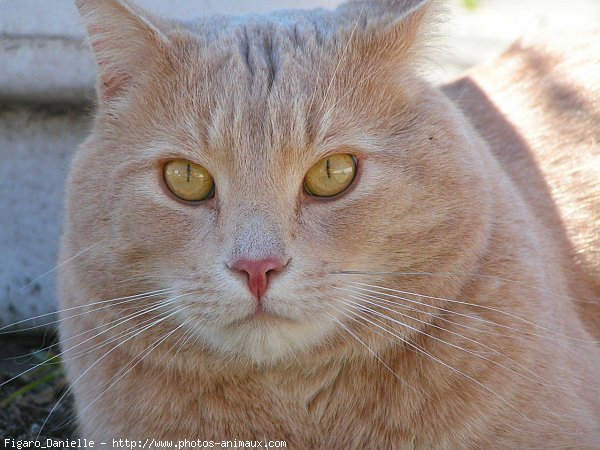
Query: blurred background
[{"x": 47, "y": 95}]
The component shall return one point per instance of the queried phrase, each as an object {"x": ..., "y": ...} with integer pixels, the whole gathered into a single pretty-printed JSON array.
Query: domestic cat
[{"x": 279, "y": 230}]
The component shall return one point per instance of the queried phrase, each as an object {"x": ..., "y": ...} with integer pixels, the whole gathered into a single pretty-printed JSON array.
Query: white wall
[{"x": 36, "y": 146}]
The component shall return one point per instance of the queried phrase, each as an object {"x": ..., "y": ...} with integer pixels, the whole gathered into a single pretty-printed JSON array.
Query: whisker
[
  {"x": 120, "y": 334},
  {"x": 180, "y": 344},
  {"x": 484, "y": 307},
  {"x": 147, "y": 277},
  {"x": 112, "y": 301},
  {"x": 64, "y": 352},
  {"x": 191, "y": 333},
  {"x": 478, "y": 330},
  {"x": 468, "y": 274},
  {"x": 476, "y": 318},
  {"x": 312, "y": 97},
  {"x": 156, "y": 322},
  {"x": 103, "y": 343},
  {"x": 120, "y": 319},
  {"x": 438, "y": 317},
  {"x": 342, "y": 56},
  {"x": 419, "y": 392},
  {"x": 420, "y": 350},
  {"x": 353, "y": 88},
  {"x": 45, "y": 274},
  {"x": 141, "y": 357},
  {"x": 539, "y": 380}
]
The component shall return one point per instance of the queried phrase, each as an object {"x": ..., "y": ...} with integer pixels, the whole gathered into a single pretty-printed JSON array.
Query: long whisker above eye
[
  {"x": 483, "y": 307},
  {"x": 339, "y": 63},
  {"x": 353, "y": 88},
  {"x": 318, "y": 73}
]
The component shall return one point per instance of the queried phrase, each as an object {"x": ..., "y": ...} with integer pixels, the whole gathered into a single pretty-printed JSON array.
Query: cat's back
[{"x": 538, "y": 107}]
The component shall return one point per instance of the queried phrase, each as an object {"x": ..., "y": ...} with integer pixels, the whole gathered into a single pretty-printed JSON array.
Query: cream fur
[{"x": 484, "y": 193}]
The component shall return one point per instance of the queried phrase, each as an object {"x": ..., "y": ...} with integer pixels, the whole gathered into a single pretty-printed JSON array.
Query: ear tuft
[
  {"x": 123, "y": 37},
  {"x": 390, "y": 30}
]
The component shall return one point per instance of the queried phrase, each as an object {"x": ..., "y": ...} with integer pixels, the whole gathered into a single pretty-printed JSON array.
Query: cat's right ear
[{"x": 124, "y": 40}]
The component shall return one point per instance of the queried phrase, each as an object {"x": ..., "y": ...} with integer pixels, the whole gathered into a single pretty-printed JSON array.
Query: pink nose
[{"x": 258, "y": 272}]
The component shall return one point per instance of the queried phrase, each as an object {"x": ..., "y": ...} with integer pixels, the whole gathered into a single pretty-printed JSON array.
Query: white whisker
[
  {"x": 478, "y": 355},
  {"x": 341, "y": 59},
  {"x": 156, "y": 322},
  {"x": 484, "y": 307},
  {"x": 141, "y": 357},
  {"x": 376, "y": 356},
  {"x": 477, "y": 382},
  {"x": 120, "y": 321},
  {"x": 57, "y": 267},
  {"x": 87, "y": 305},
  {"x": 478, "y": 330},
  {"x": 465, "y": 274}
]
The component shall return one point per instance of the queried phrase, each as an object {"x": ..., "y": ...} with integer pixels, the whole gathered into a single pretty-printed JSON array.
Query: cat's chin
[{"x": 266, "y": 338}]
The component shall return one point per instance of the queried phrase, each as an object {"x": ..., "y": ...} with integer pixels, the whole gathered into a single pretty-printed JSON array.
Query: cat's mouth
[
  {"x": 264, "y": 335},
  {"x": 262, "y": 317}
]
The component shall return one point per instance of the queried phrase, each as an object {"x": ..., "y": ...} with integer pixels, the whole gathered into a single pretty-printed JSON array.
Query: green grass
[{"x": 46, "y": 373}]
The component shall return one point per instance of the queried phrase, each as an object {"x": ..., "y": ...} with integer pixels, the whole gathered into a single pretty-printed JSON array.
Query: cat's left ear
[
  {"x": 125, "y": 41},
  {"x": 389, "y": 31}
]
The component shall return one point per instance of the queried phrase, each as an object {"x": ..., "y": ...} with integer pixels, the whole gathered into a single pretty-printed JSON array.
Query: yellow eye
[
  {"x": 188, "y": 181},
  {"x": 330, "y": 175}
]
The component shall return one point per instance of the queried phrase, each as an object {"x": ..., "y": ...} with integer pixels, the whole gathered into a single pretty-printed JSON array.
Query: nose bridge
[
  {"x": 256, "y": 232},
  {"x": 257, "y": 222}
]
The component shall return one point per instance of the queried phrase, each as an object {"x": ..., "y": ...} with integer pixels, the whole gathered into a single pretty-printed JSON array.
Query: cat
[{"x": 279, "y": 230}]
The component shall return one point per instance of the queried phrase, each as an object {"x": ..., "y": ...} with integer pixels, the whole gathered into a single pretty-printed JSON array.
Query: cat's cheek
[{"x": 168, "y": 237}]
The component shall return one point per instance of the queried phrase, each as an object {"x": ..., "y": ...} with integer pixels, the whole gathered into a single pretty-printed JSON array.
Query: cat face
[{"x": 256, "y": 103}]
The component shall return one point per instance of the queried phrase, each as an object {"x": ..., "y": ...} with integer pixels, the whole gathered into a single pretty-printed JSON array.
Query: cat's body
[{"x": 481, "y": 226}]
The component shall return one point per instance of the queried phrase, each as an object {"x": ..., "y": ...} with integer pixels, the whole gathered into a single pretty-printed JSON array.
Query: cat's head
[{"x": 242, "y": 164}]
